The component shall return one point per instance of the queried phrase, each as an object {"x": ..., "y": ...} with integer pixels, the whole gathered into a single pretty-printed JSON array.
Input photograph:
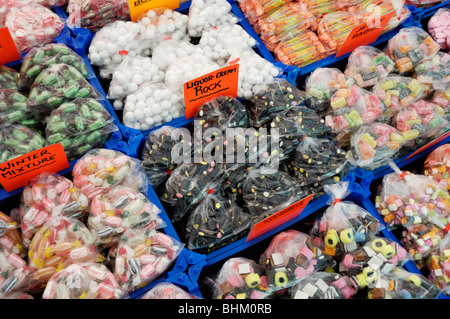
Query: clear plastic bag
[
  {"x": 189, "y": 183},
  {"x": 368, "y": 65},
  {"x": 49, "y": 195},
  {"x": 439, "y": 27},
  {"x": 32, "y": 25},
  {"x": 10, "y": 236},
  {"x": 131, "y": 73},
  {"x": 322, "y": 83},
  {"x": 216, "y": 221},
  {"x": 438, "y": 265},
  {"x": 16, "y": 277},
  {"x": 153, "y": 104},
  {"x": 79, "y": 125},
  {"x": 86, "y": 280},
  {"x": 442, "y": 98},
  {"x": 267, "y": 193},
  {"x": 324, "y": 285},
  {"x": 398, "y": 92},
  {"x": 352, "y": 108},
  {"x": 58, "y": 84},
  {"x": 240, "y": 278},
  {"x": 435, "y": 72},
  {"x": 411, "y": 46},
  {"x": 318, "y": 159},
  {"x": 437, "y": 165},
  {"x": 401, "y": 284},
  {"x": 14, "y": 109},
  {"x": 374, "y": 145},
  {"x": 167, "y": 290},
  {"x": 291, "y": 256},
  {"x": 206, "y": 14},
  {"x": 143, "y": 255},
  {"x": 9, "y": 78},
  {"x": 101, "y": 169},
  {"x": 41, "y": 58},
  {"x": 119, "y": 209},
  {"x": 60, "y": 242},
  {"x": 170, "y": 50},
  {"x": 94, "y": 15},
  {"x": 419, "y": 123},
  {"x": 344, "y": 227},
  {"x": 17, "y": 140}
]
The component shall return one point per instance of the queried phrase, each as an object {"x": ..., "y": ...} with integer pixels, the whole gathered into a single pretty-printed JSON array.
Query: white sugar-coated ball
[
  {"x": 138, "y": 79},
  {"x": 150, "y": 121},
  {"x": 141, "y": 105},
  {"x": 129, "y": 117},
  {"x": 132, "y": 87},
  {"x": 156, "y": 108},
  {"x": 118, "y": 105},
  {"x": 148, "y": 112},
  {"x": 130, "y": 106},
  {"x": 138, "y": 114}
]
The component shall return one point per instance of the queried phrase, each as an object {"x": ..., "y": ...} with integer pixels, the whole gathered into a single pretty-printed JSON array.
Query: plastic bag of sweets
[
  {"x": 317, "y": 159},
  {"x": 409, "y": 47},
  {"x": 398, "y": 92},
  {"x": 401, "y": 284},
  {"x": 130, "y": 74},
  {"x": 374, "y": 145},
  {"x": 419, "y": 123},
  {"x": 205, "y": 14},
  {"x": 10, "y": 236},
  {"x": 438, "y": 263},
  {"x": 410, "y": 199},
  {"x": 121, "y": 208},
  {"x": 58, "y": 84},
  {"x": 437, "y": 75},
  {"x": 439, "y": 27},
  {"x": 17, "y": 140},
  {"x": 324, "y": 285},
  {"x": 9, "y": 78},
  {"x": 344, "y": 227},
  {"x": 95, "y": 14},
  {"x": 60, "y": 242},
  {"x": 153, "y": 104},
  {"x": 240, "y": 278},
  {"x": 380, "y": 255},
  {"x": 216, "y": 222},
  {"x": 300, "y": 48},
  {"x": 47, "y": 195},
  {"x": 143, "y": 255},
  {"x": 189, "y": 183},
  {"x": 167, "y": 290},
  {"x": 17, "y": 276},
  {"x": 291, "y": 256},
  {"x": 85, "y": 280},
  {"x": 262, "y": 8},
  {"x": 279, "y": 96},
  {"x": 442, "y": 98},
  {"x": 319, "y": 7},
  {"x": 100, "y": 169},
  {"x": 437, "y": 165},
  {"x": 79, "y": 125},
  {"x": 32, "y": 25},
  {"x": 43, "y": 57},
  {"x": 14, "y": 109},
  {"x": 352, "y": 108},
  {"x": 368, "y": 65},
  {"x": 322, "y": 83},
  {"x": 267, "y": 192}
]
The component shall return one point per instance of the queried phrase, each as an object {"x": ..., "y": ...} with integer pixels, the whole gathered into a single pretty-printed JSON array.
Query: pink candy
[{"x": 439, "y": 27}]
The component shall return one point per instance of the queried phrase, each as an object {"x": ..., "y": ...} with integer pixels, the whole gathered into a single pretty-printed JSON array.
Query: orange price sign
[
  {"x": 218, "y": 83},
  {"x": 8, "y": 49},
  {"x": 138, "y": 7},
  {"x": 18, "y": 171},
  {"x": 364, "y": 34},
  {"x": 279, "y": 218}
]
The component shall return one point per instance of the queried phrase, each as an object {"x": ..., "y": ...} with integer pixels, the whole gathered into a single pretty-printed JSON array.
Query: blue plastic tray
[{"x": 422, "y": 13}]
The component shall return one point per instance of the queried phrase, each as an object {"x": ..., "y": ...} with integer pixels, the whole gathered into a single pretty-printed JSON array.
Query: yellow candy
[{"x": 369, "y": 140}]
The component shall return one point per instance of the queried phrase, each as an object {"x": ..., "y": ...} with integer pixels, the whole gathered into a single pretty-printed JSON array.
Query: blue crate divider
[
  {"x": 423, "y": 13},
  {"x": 400, "y": 162}
]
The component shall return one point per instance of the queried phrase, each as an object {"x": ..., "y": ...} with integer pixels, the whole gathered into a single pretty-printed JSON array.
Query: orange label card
[
  {"x": 426, "y": 146},
  {"x": 279, "y": 218},
  {"x": 17, "y": 172},
  {"x": 217, "y": 83},
  {"x": 138, "y": 7},
  {"x": 8, "y": 49},
  {"x": 364, "y": 34}
]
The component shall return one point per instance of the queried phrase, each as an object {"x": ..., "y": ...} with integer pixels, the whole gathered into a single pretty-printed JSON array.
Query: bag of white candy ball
[
  {"x": 204, "y": 14},
  {"x": 113, "y": 43},
  {"x": 188, "y": 68},
  {"x": 132, "y": 73},
  {"x": 161, "y": 24},
  {"x": 152, "y": 105}
]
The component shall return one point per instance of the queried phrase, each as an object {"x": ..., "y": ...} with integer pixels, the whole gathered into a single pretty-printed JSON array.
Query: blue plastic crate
[{"x": 426, "y": 12}]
